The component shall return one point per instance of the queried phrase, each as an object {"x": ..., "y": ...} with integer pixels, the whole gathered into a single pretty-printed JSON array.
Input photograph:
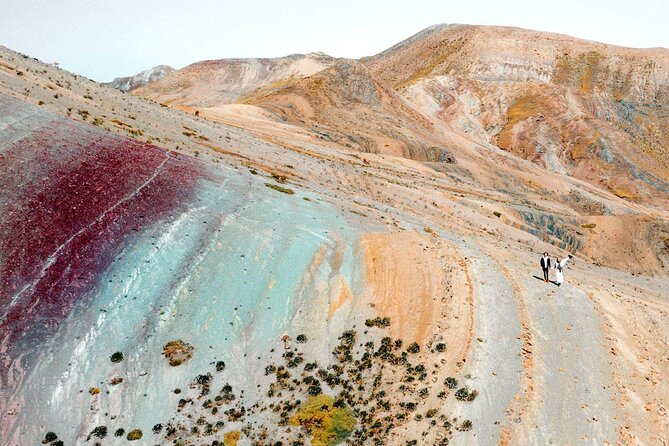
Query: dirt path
[
  {"x": 573, "y": 399},
  {"x": 494, "y": 365}
]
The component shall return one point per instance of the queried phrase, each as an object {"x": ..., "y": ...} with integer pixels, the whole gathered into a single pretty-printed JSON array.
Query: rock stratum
[{"x": 323, "y": 251}]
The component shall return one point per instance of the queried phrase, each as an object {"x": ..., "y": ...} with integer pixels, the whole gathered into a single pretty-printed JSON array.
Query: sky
[{"x": 103, "y": 39}]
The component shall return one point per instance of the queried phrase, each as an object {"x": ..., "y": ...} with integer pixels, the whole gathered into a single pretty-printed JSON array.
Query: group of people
[{"x": 558, "y": 266}]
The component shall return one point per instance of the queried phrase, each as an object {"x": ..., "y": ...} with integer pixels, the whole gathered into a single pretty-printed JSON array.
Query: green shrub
[{"x": 413, "y": 348}]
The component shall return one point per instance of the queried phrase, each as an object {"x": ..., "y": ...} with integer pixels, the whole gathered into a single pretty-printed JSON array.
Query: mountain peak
[{"x": 142, "y": 78}]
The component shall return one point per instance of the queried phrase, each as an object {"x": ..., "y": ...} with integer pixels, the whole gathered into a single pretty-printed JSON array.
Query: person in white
[{"x": 559, "y": 266}]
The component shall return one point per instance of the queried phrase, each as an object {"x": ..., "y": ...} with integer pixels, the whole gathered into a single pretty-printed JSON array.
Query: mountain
[
  {"x": 214, "y": 82},
  {"x": 332, "y": 101},
  {"x": 142, "y": 78},
  {"x": 346, "y": 253},
  {"x": 590, "y": 110}
]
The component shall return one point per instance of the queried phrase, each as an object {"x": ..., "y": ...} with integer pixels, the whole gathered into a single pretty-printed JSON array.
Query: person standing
[
  {"x": 559, "y": 266},
  {"x": 545, "y": 265}
]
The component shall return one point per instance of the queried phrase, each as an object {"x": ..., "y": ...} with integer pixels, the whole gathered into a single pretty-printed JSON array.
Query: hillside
[
  {"x": 594, "y": 111},
  {"x": 244, "y": 276}
]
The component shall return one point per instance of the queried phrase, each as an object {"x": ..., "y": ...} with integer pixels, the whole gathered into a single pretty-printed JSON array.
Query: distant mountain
[
  {"x": 214, "y": 82},
  {"x": 142, "y": 78}
]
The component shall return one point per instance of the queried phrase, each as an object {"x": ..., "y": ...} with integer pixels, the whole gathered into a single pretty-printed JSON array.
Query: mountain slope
[
  {"x": 594, "y": 111},
  {"x": 332, "y": 102},
  {"x": 280, "y": 265}
]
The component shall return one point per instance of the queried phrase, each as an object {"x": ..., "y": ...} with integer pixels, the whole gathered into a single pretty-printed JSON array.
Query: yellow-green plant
[{"x": 326, "y": 423}]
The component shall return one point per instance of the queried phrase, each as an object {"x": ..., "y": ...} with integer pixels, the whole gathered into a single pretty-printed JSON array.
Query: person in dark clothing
[{"x": 545, "y": 265}]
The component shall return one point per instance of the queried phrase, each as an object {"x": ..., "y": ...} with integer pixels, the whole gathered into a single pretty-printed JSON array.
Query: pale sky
[{"x": 103, "y": 39}]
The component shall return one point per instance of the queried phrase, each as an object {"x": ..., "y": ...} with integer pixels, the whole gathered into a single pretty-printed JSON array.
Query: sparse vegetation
[
  {"x": 381, "y": 322},
  {"x": 278, "y": 188}
]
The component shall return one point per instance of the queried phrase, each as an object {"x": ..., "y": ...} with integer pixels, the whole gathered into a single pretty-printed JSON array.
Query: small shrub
[
  {"x": 116, "y": 357},
  {"x": 451, "y": 382},
  {"x": 177, "y": 352},
  {"x": 465, "y": 426},
  {"x": 203, "y": 379},
  {"x": 381, "y": 322},
  {"x": 134, "y": 434},
  {"x": 440, "y": 347},
  {"x": 49, "y": 437},
  {"x": 301, "y": 338},
  {"x": 464, "y": 394},
  {"x": 119, "y": 432},
  {"x": 413, "y": 347},
  {"x": 99, "y": 432},
  {"x": 231, "y": 438}
]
